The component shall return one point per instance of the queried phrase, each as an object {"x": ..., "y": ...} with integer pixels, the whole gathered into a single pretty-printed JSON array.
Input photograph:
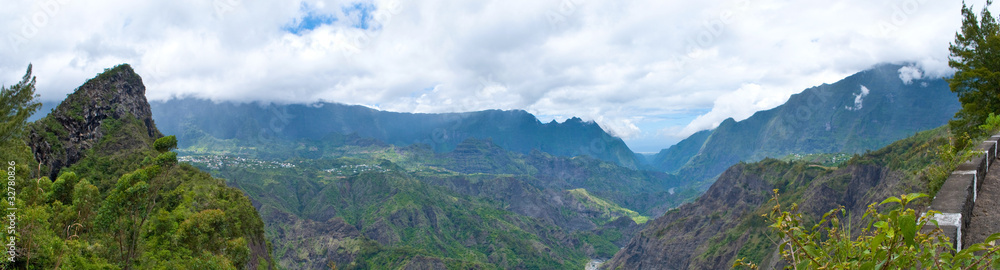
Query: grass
[{"x": 609, "y": 209}]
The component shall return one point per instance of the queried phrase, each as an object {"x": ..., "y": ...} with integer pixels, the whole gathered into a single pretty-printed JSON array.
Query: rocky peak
[{"x": 60, "y": 139}]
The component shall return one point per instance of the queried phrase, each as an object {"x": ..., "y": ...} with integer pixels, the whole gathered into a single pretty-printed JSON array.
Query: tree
[
  {"x": 126, "y": 210},
  {"x": 975, "y": 55},
  {"x": 165, "y": 144},
  {"x": 17, "y": 103}
]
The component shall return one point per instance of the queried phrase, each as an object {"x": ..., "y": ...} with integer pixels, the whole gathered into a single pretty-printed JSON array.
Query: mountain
[
  {"x": 862, "y": 112},
  {"x": 517, "y": 130},
  {"x": 727, "y": 223},
  {"x": 109, "y": 194},
  {"x": 77, "y": 121}
]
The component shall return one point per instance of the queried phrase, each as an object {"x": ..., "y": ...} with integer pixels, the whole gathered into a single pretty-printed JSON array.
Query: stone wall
[{"x": 957, "y": 196}]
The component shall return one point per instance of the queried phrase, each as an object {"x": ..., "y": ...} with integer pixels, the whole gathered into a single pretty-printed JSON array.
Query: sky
[{"x": 651, "y": 72}]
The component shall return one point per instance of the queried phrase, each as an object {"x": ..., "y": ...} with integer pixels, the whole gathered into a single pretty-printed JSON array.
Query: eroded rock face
[{"x": 61, "y": 138}]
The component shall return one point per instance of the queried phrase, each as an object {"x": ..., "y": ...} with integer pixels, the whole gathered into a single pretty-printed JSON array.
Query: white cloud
[
  {"x": 621, "y": 63},
  {"x": 909, "y": 73},
  {"x": 739, "y": 105},
  {"x": 859, "y": 99}
]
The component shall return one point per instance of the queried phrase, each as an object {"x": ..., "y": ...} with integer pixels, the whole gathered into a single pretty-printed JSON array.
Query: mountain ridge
[
  {"x": 864, "y": 111},
  {"x": 514, "y": 130}
]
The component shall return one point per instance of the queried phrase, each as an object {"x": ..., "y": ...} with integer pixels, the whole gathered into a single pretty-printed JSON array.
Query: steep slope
[
  {"x": 120, "y": 199},
  {"x": 73, "y": 127},
  {"x": 672, "y": 159},
  {"x": 726, "y": 222},
  {"x": 864, "y": 111},
  {"x": 517, "y": 130}
]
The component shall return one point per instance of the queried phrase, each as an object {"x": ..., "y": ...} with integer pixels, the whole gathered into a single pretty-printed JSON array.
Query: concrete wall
[{"x": 957, "y": 196}]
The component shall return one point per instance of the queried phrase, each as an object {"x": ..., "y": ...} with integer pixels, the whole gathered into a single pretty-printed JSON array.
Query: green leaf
[
  {"x": 892, "y": 199},
  {"x": 908, "y": 227},
  {"x": 993, "y": 237},
  {"x": 876, "y": 241},
  {"x": 881, "y": 224}
]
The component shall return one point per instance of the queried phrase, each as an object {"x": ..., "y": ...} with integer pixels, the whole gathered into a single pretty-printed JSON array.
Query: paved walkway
[{"x": 986, "y": 211}]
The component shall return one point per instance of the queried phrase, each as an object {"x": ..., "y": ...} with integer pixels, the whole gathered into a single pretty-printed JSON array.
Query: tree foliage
[
  {"x": 975, "y": 54},
  {"x": 165, "y": 144},
  {"x": 17, "y": 103}
]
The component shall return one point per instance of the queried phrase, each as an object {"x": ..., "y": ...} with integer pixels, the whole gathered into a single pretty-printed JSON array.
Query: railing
[{"x": 958, "y": 195}]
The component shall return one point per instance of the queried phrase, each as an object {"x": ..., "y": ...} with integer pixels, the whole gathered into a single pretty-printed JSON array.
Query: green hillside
[{"x": 121, "y": 200}]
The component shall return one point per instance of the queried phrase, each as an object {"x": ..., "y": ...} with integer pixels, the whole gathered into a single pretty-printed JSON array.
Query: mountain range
[
  {"x": 330, "y": 185},
  {"x": 516, "y": 130}
]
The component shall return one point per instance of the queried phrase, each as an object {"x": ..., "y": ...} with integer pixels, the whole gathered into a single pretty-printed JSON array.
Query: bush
[{"x": 891, "y": 240}]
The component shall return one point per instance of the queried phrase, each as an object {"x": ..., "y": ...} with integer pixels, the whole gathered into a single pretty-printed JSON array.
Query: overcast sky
[{"x": 651, "y": 72}]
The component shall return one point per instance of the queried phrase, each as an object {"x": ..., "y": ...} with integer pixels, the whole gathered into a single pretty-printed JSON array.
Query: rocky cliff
[{"x": 117, "y": 93}]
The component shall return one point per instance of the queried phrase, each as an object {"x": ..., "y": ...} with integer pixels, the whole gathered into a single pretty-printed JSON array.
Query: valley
[
  {"x": 412, "y": 135},
  {"x": 440, "y": 208},
  {"x": 304, "y": 174}
]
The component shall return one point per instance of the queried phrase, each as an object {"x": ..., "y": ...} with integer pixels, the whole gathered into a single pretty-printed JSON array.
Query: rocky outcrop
[{"x": 61, "y": 138}]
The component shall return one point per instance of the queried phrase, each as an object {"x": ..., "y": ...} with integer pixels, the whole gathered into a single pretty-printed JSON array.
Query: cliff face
[{"x": 116, "y": 94}]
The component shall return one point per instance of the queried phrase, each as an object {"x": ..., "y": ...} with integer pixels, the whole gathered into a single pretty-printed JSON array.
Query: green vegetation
[
  {"x": 477, "y": 205},
  {"x": 608, "y": 209},
  {"x": 977, "y": 75},
  {"x": 123, "y": 205},
  {"x": 889, "y": 240},
  {"x": 165, "y": 144},
  {"x": 17, "y": 103}
]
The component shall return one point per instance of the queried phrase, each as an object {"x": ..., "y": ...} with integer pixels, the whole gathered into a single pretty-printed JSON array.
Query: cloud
[
  {"x": 909, "y": 73},
  {"x": 739, "y": 105},
  {"x": 622, "y": 64},
  {"x": 859, "y": 99}
]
